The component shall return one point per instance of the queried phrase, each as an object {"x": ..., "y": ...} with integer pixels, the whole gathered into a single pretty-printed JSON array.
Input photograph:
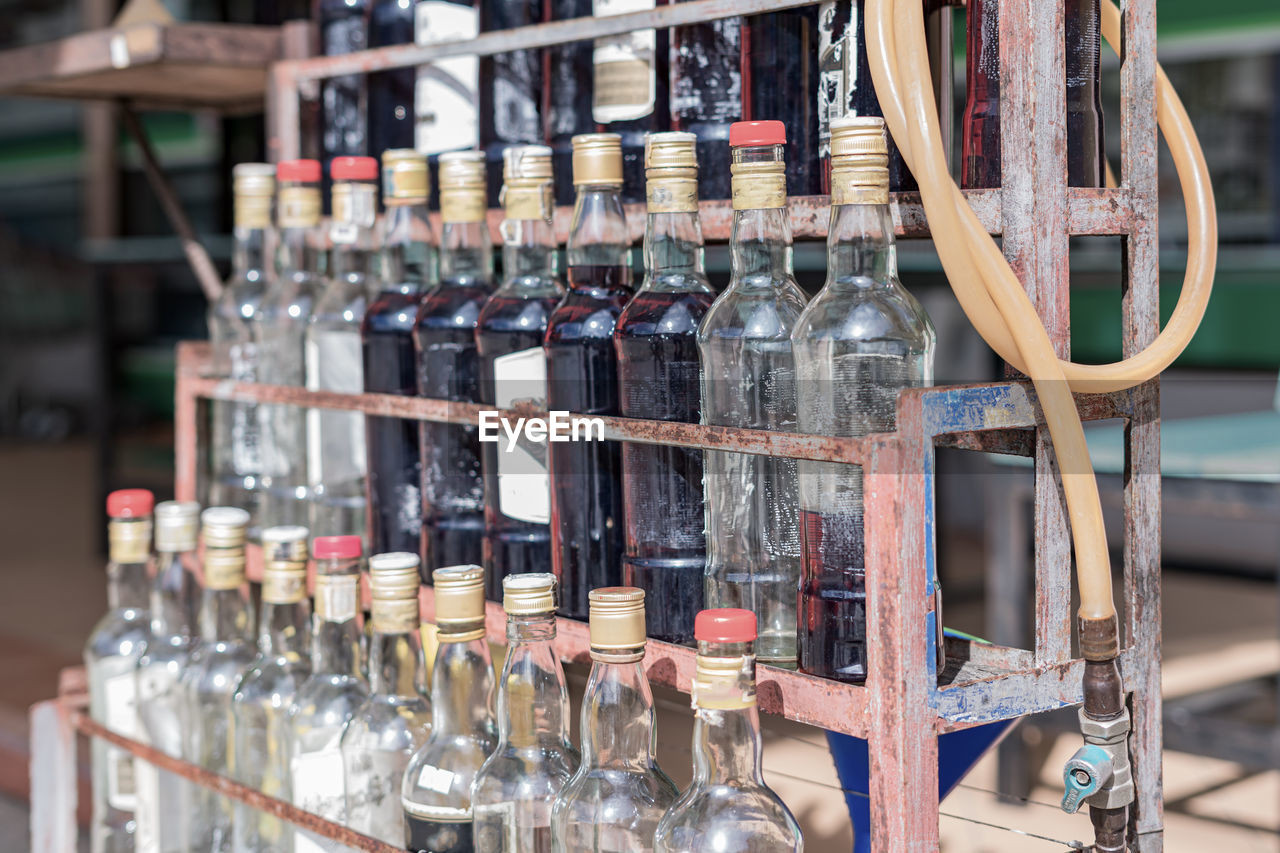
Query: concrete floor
[{"x": 1215, "y": 632}]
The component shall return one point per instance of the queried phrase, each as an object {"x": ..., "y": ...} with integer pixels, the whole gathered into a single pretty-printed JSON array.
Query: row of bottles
[
  {"x": 340, "y": 721},
  {"x": 806, "y": 67},
  {"x": 780, "y": 537}
]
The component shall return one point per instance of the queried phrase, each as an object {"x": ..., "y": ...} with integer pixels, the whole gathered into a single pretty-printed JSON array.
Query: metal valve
[{"x": 1084, "y": 775}]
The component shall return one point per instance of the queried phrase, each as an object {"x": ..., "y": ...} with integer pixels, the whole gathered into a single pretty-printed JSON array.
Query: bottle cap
[
  {"x": 463, "y": 195},
  {"x": 298, "y": 171},
  {"x": 337, "y": 547},
  {"x": 526, "y": 182},
  {"x": 130, "y": 503},
  {"x": 725, "y": 625},
  {"x": 286, "y": 543},
  {"x": 224, "y": 526},
  {"x": 859, "y": 161},
  {"x": 617, "y": 620},
  {"x": 459, "y": 596},
  {"x": 284, "y": 571},
  {"x": 671, "y": 149},
  {"x": 394, "y": 575},
  {"x": 757, "y": 133},
  {"x": 405, "y": 177},
  {"x": 526, "y": 163},
  {"x": 529, "y": 594},
  {"x": 177, "y": 526},
  {"x": 671, "y": 172},
  {"x": 257, "y": 179},
  {"x": 597, "y": 159},
  {"x": 353, "y": 169}
]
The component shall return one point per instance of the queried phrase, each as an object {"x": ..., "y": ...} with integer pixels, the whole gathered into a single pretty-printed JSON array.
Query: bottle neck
[
  {"x": 466, "y": 253},
  {"x": 726, "y": 746},
  {"x": 760, "y": 245},
  {"x": 300, "y": 252},
  {"x": 533, "y": 702},
  {"x": 249, "y": 255},
  {"x": 128, "y": 586},
  {"x": 861, "y": 251},
  {"x": 335, "y": 646},
  {"x": 396, "y": 664},
  {"x": 409, "y": 254},
  {"x": 598, "y": 235},
  {"x": 224, "y": 616},
  {"x": 462, "y": 689},
  {"x": 283, "y": 629},
  {"x": 673, "y": 251},
  {"x": 618, "y": 717},
  {"x": 172, "y": 593},
  {"x": 528, "y": 252}
]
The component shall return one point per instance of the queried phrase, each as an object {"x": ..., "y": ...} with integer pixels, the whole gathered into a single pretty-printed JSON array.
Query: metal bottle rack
[{"x": 907, "y": 702}]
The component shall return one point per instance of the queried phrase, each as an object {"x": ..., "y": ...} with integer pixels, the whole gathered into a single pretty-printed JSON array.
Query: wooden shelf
[{"x": 156, "y": 66}]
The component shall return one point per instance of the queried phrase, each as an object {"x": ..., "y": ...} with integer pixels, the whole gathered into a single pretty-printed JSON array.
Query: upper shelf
[{"x": 158, "y": 66}]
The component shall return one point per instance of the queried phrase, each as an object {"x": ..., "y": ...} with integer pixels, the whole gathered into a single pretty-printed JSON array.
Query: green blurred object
[{"x": 147, "y": 377}]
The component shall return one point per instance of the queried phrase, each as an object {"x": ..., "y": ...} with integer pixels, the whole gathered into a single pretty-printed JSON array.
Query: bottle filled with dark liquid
[
  {"x": 582, "y": 377},
  {"x": 780, "y": 63},
  {"x": 658, "y": 377},
  {"x": 447, "y": 90},
  {"x": 980, "y": 136},
  {"x": 513, "y": 372},
  {"x": 408, "y": 273},
  {"x": 566, "y": 95},
  {"x": 344, "y": 28},
  {"x": 706, "y": 94},
  {"x": 391, "y": 92},
  {"x": 449, "y": 367},
  {"x": 629, "y": 92},
  {"x": 511, "y": 91}
]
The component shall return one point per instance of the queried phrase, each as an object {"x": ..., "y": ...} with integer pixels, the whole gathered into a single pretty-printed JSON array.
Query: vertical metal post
[
  {"x": 185, "y": 428},
  {"x": 53, "y": 778},
  {"x": 284, "y": 109}
]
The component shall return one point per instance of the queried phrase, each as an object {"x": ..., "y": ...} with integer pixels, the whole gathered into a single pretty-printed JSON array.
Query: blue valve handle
[{"x": 1083, "y": 775}]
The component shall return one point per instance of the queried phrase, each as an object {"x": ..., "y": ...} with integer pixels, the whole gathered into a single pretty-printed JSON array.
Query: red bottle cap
[
  {"x": 353, "y": 169},
  {"x": 298, "y": 171},
  {"x": 725, "y": 625},
  {"x": 336, "y": 547},
  {"x": 757, "y": 133},
  {"x": 130, "y": 503}
]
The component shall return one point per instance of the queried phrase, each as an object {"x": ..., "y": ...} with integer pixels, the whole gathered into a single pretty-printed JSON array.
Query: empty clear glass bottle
[
  {"x": 331, "y": 694},
  {"x": 514, "y": 790},
  {"x": 163, "y": 798},
  {"x": 615, "y": 800},
  {"x": 280, "y": 328},
  {"x": 260, "y": 706},
  {"x": 513, "y": 370},
  {"x": 860, "y": 341},
  {"x": 748, "y": 380},
  {"x": 335, "y": 439},
  {"x": 727, "y": 808},
  {"x": 437, "y": 783},
  {"x": 235, "y": 461},
  {"x": 657, "y": 345},
  {"x": 395, "y": 719},
  {"x": 224, "y": 650},
  {"x": 111, "y": 657}
]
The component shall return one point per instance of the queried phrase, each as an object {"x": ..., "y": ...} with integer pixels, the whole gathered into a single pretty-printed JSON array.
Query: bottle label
[
  {"x": 354, "y": 207},
  {"x": 299, "y": 207},
  {"x": 706, "y": 79},
  {"x": 515, "y": 105},
  {"x": 625, "y": 79},
  {"x": 252, "y": 211},
  {"x": 672, "y": 195},
  {"x": 756, "y": 188},
  {"x": 833, "y": 69},
  {"x": 462, "y": 205},
  {"x": 438, "y": 830},
  {"x": 524, "y": 486},
  {"x": 337, "y": 597},
  {"x": 395, "y": 616},
  {"x": 147, "y": 811},
  {"x": 121, "y": 695},
  {"x": 335, "y": 440},
  {"x": 318, "y": 788},
  {"x": 287, "y": 587},
  {"x": 528, "y": 202},
  {"x": 445, "y": 94}
]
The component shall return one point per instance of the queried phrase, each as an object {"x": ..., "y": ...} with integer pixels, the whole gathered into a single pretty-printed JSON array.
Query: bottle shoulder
[
  {"x": 534, "y": 771},
  {"x": 881, "y": 312},
  {"x": 121, "y": 632},
  {"x": 272, "y": 678},
  {"x": 768, "y": 313},
  {"x": 746, "y": 817},
  {"x": 663, "y": 312}
]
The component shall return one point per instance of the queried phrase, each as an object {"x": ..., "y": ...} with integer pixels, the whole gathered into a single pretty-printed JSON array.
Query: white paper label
[
  {"x": 625, "y": 82},
  {"x": 436, "y": 779},
  {"x": 445, "y": 94},
  {"x": 337, "y": 598},
  {"x": 147, "y": 813},
  {"x": 524, "y": 486},
  {"x": 335, "y": 440},
  {"x": 121, "y": 692},
  {"x": 318, "y": 788}
]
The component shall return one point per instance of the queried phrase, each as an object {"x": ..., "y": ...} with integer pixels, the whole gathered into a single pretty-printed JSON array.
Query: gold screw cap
[
  {"x": 459, "y": 595},
  {"x": 859, "y": 161},
  {"x": 526, "y": 163},
  {"x": 177, "y": 525},
  {"x": 224, "y": 526},
  {"x": 405, "y": 177},
  {"x": 462, "y": 170},
  {"x": 597, "y": 159},
  {"x": 529, "y": 594},
  {"x": 394, "y": 575},
  {"x": 257, "y": 179},
  {"x": 672, "y": 149},
  {"x": 285, "y": 544},
  {"x": 617, "y": 619}
]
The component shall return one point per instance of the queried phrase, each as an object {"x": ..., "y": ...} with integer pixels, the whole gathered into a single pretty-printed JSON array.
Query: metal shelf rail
[{"x": 908, "y": 699}]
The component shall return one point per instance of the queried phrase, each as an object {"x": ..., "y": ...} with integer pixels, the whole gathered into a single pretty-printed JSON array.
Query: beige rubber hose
[{"x": 993, "y": 298}]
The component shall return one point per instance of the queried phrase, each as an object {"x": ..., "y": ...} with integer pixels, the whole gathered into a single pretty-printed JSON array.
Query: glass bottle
[
  {"x": 280, "y": 328},
  {"x": 111, "y": 657},
  {"x": 657, "y": 345},
  {"x": 582, "y": 377},
  {"x": 225, "y": 648},
  {"x": 567, "y": 95},
  {"x": 163, "y": 798},
  {"x": 344, "y": 28},
  {"x": 260, "y": 705},
  {"x": 511, "y": 95},
  {"x": 444, "y": 338},
  {"x": 330, "y": 695},
  {"x": 408, "y": 272},
  {"x": 860, "y": 341},
  {"x": 845, "y": 88},
  {"x": 335, "y": 440},
  {"x": 980, "y": 128},
  {"x": 395, "y": 719},
  {"x": 236, "y": 454},
  {"x": 513, "y": 792},
  {"x": 513, "y": 371},
  {"x": 391, "y": 120},
  {"x": 748, "y": 380},
  {"x": 437, "y": 782},
  {"x": 706, "y": 94},
  {"x": 614, "y": 801},
  {"x": 727, "y": 806},
  {"x": 782, "y": 84},
  {"x": 448, "y": 89},
  {"x": 629, "y": 93}
]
